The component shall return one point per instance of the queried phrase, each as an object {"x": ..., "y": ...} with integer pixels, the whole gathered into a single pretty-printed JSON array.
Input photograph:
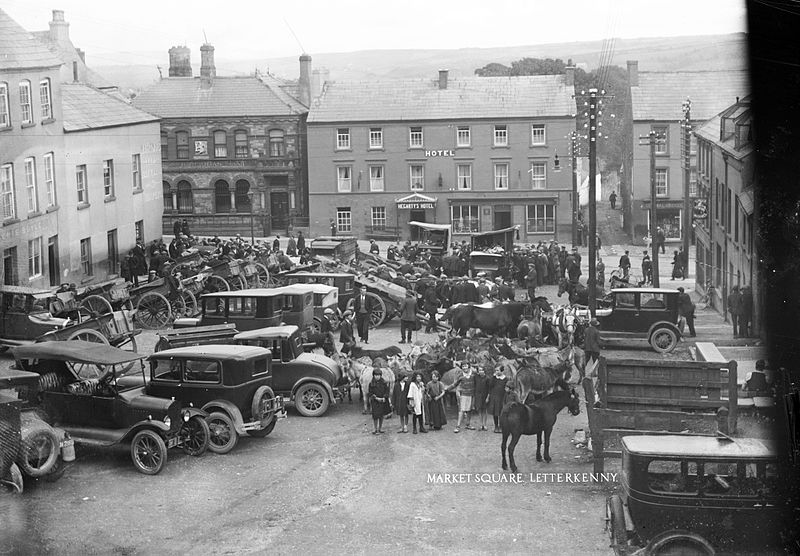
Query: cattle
[{"x": 491, "y": 318}]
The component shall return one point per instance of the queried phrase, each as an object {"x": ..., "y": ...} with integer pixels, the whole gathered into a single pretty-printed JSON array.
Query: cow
[{"x": 490, "y": 318}]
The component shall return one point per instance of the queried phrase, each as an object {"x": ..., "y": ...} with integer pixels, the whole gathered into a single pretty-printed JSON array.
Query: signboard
[
  {"x": 416, "y": 206},
  {"x": 440, "y": 153},
  {"x": 700, "y": 209},
  {"x": 200, "y": 147}
]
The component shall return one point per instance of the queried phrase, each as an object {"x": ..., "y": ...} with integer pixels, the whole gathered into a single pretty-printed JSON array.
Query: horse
[
  {"x": 358, "y": 352},
  {"x": 565, "y": 324},
  {"x": 360, "y": 375},
  {"x": 490, "y": 318},
  {"x": 536, "y": 418},
  {"x": 531, "y": 330},
  {"x": 538, "y": 374}
]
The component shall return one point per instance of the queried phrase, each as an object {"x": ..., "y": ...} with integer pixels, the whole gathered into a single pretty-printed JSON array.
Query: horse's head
[
  {"x": 574, "y": 403},
  {"x": 563, "y": 286}
]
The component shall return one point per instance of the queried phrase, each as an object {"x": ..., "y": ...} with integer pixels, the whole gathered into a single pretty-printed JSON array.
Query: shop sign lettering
[
  {"x": 416, "y": 206},
  {"x": 440, "y": 153}
]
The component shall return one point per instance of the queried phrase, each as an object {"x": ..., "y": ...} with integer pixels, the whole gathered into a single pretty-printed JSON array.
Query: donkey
[{"x": 536, "y": 418}]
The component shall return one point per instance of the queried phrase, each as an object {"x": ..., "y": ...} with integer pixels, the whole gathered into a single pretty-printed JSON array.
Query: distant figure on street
[
  {"x": 530, "y": 282},
  {"x": 291, "y": 246},
  {"x": 408, "y": 317},
  {"x": 363, "y": 305},
  {"x": 600, "y": 267},
  {"x": 625, "y": 265},
  {"x": 660, "y": 239},
  {"x": 374, "y": 248},
  {"x": 613, "y": 200},
  {"x": 734, "y": 303},
  {"x": 647, "y": 269},
  {"x": 301, "y": 242},
  {"x": 276, "y": 243},
  {"x": 333, "y": 227},
  {"x": 677, "y": 266}
]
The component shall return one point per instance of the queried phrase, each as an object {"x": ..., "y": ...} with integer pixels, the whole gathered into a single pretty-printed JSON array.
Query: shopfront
[
  {"x": 415, "y": 208},
  {"x": 669, "y": 217}
]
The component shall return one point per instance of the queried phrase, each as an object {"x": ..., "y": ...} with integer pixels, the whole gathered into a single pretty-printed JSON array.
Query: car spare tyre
[{"x": 39, "y": 448}]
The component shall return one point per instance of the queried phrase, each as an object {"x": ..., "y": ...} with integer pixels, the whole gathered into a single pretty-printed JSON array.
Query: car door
[
  {"x": 624, "y": 314},
  {"x": 202, "y": 381},
  {"x": 652, "y": 309}
]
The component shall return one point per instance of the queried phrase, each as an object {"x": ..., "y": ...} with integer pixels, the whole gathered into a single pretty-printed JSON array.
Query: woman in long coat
[
  {"x": 482, "y": 387},
  {"x": 378, "y": 393},
  {"x": 497, "y": 394},
  {"x": 400, "y": 401},
  {"x": 416, "y": 397},
  {"x": 434, "y": 392}
]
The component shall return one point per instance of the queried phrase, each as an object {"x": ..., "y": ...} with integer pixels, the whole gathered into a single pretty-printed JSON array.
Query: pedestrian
[
  {"x": 497, "y": 394},
  {"x": 400, "y": 400},
  {"x": 416, "y": 395},
  {"x": 591, "y": 345},
  {"x": 483, "y": 288},
  {"x": 125, "y": 268},
  {"x": 530, "y": 282},
  {"x": 333, "y": 227},
  {"x": 363, "y": 305},
  {"x": 291, "y": 246},
  {"x": 185, "y": 229},
  {"x": 677, "y": 266},
  {"x": 745, "y": 312},
  {"x": 734, "y": 303},
  {"x": 346, "y": 332},
  {"x": 374, "y": 248},
  {"x": 562, "y": 260},
  {"x": 647, "y": 268},
  {"x": 378, "y": 394},
  {"x": 464, "y": 386},
  {"x": 177, "y": 226},
  {"x": 625, "y": 265},
  {"x": 301, "y": 242},
  {"x": 326, "y": 329},
  {"x": 482, "y": 386},
  {"x": 276, "y": 243},
  {"x": 613, "y": 200},
  {"x": 600, "y": 267},
  {"x": 408, "y": 317},
  {"x": 660, "y": 239},
  {"x": 431, "y": 301},
  {"x": 686, "y": 312},
  {"x": 434, "y": 391}
]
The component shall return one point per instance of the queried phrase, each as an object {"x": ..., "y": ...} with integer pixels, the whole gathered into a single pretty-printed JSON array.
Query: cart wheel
[
  {"x": 88, "y": 370},
  {"x": 215, "y": 283},
  {"x": 680, "y": 542},
  {"x": 96, "y": 305},
  {"x": 88, "y": 335},
  {"x": 177, "y": 305},
  {"x": 148, "y": 452},
  {"x": 189, "y": 303},
  {"x": 153, "y": 311},
  {"x": 236, "y": 283},
  {"x": 195, "y": 436},
  {"x": 183, "y": 268},
  {"x": 378, "y": 314},
  {"x": 263, "y": 275}
]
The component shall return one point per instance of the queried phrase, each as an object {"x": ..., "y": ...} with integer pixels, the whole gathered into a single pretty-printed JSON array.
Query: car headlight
[{"x": 167, "y": 421}]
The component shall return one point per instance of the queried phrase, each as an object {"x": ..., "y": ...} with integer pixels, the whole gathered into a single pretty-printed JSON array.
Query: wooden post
[
  {"x": 595, "y": 425},
  {"x": 733, "y": 396}
]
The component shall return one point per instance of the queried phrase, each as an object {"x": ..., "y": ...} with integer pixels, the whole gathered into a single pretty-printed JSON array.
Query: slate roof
[
  {"x": 67, "y": 53},
  {"x": 183, "y": 97},
  {"x": 464, "y": 98},
  {"x": 87, "y": 108},
  {"x": 660, "y": 94},
  {"x": 710, "y": 130},
  {"x": 20, "y": 50}
]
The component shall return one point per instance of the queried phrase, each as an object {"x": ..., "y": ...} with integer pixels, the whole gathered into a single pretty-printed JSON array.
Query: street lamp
[{"x": 250, "y": 196}]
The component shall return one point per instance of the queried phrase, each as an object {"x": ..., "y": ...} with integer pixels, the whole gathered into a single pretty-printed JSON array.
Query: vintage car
[
  {"x": 343, "y": 281},
  {"x": 325, "y": 297},
  {"x": 641, "y": 314},
  {"x": 432, "y": 238},
  {"x": 111, "y": 408},
  {"x": 233, "y": 384},
  {"x": 298, "y": 306},
  {"x": 247, "y": 309},
  {"x": 488, "y": 264},
  {"x": 685, "y": 494},
  {"x": 25, "y": 315},
  {"x": 311, "y": 380}
]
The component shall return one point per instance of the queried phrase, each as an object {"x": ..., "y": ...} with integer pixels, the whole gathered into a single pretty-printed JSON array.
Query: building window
[
  {"x": 693, "y": 190},
  {"x": 164, "y": 145},
  {"x": 463, "y": 177},
  {"x": 30, "y": 184},
  {"x": 343, "y": 138},
  {"x": 344, "y": 219},
  {"x": 538, "y": 175},
  {"x": 136, "y": 171},
  {"x": 541, "y": 219},
  {"x": 167, "y": 194},
  {"x": 222, "y": 197},
  {"x": 375, "y": 138},
  {"x": 182, "y": 144},
  {"x": 378, "y": 218},
  {"x": 241, "y": 149},
  {"x": 25, "y": 102},
  {"x": 86, "y": 256},
  {"x": 463, "y": 137},
  {"x": 7, "y": 191},
  {"x": 185, "y": 200},
  {"x": 501, "y": 175},
  {"x": 220, "y": 144},
  {"x": 81, "y": 185},
  {"x": 736, "y": 219},
  {"x": 344, "y": 179},
  {"x": 242, "y": 197},
  {"x": 417, "y": 173},
  {"x": 415, "y": 139},
  {"x": 45, "y": 99},
  {"x": 662, "y": 144},
  {"x": 50, "y": 179},
  {"x": 538, "y": 136},
  {"x": 718, "y": 267},
  {"x": 276, "y": 143},
  {"x": 376, "y": 178},
  {"x": 5, "y": 116},
  {"x": 113, "y": 251},
  {"x": 138, "y": 227},
  {"x": 108, "y": 178},
  {"x": 662, "y": 186},
  {"x": 500, "y": 136},
  {"x": 35, "y": 257},
  {"x": 465, "y": 219}
]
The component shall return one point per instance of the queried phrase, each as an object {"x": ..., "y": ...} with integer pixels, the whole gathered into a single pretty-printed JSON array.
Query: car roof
[
  {"x": 253, "y": 292},
  {"x": 283, "y": 331},
  {"x": 698, "y": 446},
  {"x": 484, "y": 254},
  {"x": 78, "y": 351},
  {"x": 644, "y": 290},
  {"x": 295, "y": 289},
  {"x": 227, "y": 351}
]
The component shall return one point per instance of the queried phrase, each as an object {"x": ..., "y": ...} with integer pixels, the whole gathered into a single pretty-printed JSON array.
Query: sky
[{"x": 117, "y": 32}]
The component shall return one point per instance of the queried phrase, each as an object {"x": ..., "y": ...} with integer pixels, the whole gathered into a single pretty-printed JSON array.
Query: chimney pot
[
  {"x": 59, "y": 28},
  {"x": 443, "y": 78},
  {"x": 207, "y": 68},
  {"x": 304, "y": 84},
  {"x": 180, "y": 62},
  {"x": 633, "y": 73}
]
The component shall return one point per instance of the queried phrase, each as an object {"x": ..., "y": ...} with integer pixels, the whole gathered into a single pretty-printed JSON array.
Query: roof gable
[
  {"x": 87, "y": 108},
  {"x": 20, "y": 50}
]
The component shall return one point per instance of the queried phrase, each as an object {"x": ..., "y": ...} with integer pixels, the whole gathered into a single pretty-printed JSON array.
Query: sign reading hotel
[
  {"x": 416, "y": 205},
  {"x": 416, "y": 201},
  {"x": 440, "y": 153}
]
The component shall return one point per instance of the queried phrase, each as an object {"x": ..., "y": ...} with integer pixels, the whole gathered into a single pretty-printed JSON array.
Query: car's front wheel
[
  {"x": 223, "y": 436},
  {"x": 148, "y": 452},
  {"x": 195, "y": 435},
  {"x": 663, "y": 340},
  {"x": 311, "y": 400}
]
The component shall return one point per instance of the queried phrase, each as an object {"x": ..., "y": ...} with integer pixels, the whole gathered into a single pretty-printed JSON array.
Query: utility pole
[
  {"x": 573, "y": 137},
  {"x": 653, "y": 138},
  {"x": 592, "y": 281},
  {"x": 686, "y": 162}
]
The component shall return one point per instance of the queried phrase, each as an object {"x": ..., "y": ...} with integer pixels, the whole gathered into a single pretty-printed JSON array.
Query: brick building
[
  {"x": 481, "y": 153},
  {"x": 232, "y": 148}
]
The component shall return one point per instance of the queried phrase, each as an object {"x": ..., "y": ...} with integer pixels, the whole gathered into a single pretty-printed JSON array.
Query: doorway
[
  {"x": 10, "y": 266},
  {"x": 502, "y": 217},
  {"x": 416, "y": 216},
  {"x": 279, "y": 208},
  {"x": 52, "y": 261}
]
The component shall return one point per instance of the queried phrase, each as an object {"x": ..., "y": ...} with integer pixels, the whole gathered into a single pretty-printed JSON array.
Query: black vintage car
[
  {"x": 649, "y": 314},
  {"x": 233, "y": 384},
  {"x": 95, "y": 392}
]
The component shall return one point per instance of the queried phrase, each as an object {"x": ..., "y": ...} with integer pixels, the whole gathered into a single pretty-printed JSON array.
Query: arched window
[
  {"x": 185, "y": 201},
  {"x": 5, "y": 116},
  {"x": 220, "y": 144},
  {"x": 167, "y": 196},
  {"x": 276, "y": 146},
  {"x": 242, "y": 200},
  {"x": 222, "y": 197}
]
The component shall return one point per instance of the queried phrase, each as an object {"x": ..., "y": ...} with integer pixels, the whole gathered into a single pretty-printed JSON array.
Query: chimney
[
  {"x": 633, "y": 73},
  {"x": 180, "y": 62},
  {"x": 75, "y": 71},
  {"x": 208, "y": 70},
  {"x": 304, "y": 85},
  {"x": 59, "y": 29},
  {"x": 569, "y": 74},
  {"x": 443, "y": 78},
  {"x": 81, "y": 54}
]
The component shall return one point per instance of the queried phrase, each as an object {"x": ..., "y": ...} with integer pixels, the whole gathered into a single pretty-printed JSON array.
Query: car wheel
[
  {"x": 663, "y": 340},
  {"x": 195, "y": 434},
  {"x": 311, "y": 400},
  {"x": 261, "y": 433},
  {"x": 223, "y": 436},
  {"x": 263, "y": 393},
  {"x": 684, "y": 543},
  {"x": 148, "y": 452},
  {"x": 616, "y": 516},
  {"x": 39, "y": 448}
]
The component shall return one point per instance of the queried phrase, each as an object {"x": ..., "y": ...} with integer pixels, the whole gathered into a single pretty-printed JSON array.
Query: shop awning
[
  {"x": 746, "y": 200},
  {"x": 416, "y": 201},
  {"x": 427, "y": 226},
  {"x": 496, "y": 232}
]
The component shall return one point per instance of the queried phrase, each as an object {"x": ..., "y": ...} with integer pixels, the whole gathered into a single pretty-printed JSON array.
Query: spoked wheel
[
  {"x": 148, "y": 452},
  {"x": 311, "y": 400},
  {"x": 95, "y": 305},
  {"x": 189, "y": 304},
  {"x": 215, "y": 283},
  {"x": 153, "y": 311},
  {"x": 183, "y": 268},
  {"x": 177, "y": 305},
  {"x": 195, "y": 435},
  {"x": 257, "y": 411},
  {"x": 378, "y": 313},
  {"x": 39, "y": 448},
  {"x": 263, "y": 275},
  {"x": 88, "y": 370},
  {"x": 223, "y": 434},
  {"x": 236, "y": 283},
  {"x": 315, "y": 327},
  {"x": 663, "y": 340}
]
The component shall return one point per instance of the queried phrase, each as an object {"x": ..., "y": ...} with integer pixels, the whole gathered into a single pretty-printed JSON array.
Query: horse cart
[
  {"x": 341, "y": 248},
  {"x": 387, "y": 298},
  {"x": 432, "y": 238},
  {"x": 104, "y": 297},
  {"x": 490, "y": 252},
  {"x": 165, "y": 299}
]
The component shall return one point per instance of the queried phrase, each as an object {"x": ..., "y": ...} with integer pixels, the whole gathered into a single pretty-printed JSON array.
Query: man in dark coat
[
  {"x": 374, "y": 248},
  {"x": 291, "y": 247},
  {"x": 647, "y": 269},
  {"x": 333, "y": 227},
  {"x": 276, "y": 243},
  {"x": 592, "y": 342},
  {"x": 177, "y": 226},
  {"x": 504, "y": 290},
  {"x": 541, "y": 268},
  {"x": 531, "y": 281},
  {"x": 745, "y": 312},
  {"x": 562, "y": 260},
  {"x": 408, "y": 317},
  {"x": 362, "y": 306},
  {"x": 573, "y": 268},
  {"x": 431, "y": 305},
  {"x": 625, "y": 265},
  {"x": 346, "y": 332},
  {"x": 734, "y": 306},
  {"x": 185, "y": 228},
  {"x": 613, "y": 200},
  {"x": 301, "y": 242},
  {"x": 444, "y": 291},
  {"x": 660, "y": 240},
  {"x": 326, "y": 329},
  {"x": 686, "y": 311}
]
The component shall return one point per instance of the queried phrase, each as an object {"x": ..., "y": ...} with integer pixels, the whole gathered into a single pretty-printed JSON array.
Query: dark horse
[
  {"x": 499, "y": 318},
  {"x": 577, "y": 292},
  {"x": 536, "y": 418}
]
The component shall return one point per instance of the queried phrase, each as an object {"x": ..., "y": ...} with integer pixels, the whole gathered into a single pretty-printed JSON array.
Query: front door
[
  {"x": 279, "y": 208},
  {"x": 52, "y": 261},
  {"x": 502, "y": 218},
  {"x": 416, "y": 216},
  {"x": 10, "y": 266}
]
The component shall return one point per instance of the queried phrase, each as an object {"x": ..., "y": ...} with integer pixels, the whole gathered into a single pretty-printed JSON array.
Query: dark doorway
[
  {"x": 279, "y": 208},
  {"x": 502, "y": 217},
  {"x": 10, "y": 266},
  {"x": 52, "y": 261},
  {"x": 416, "y": 216}
]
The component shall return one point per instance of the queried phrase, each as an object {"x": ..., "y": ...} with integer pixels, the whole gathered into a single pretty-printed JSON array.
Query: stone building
[{"x": 232, "y": 148}]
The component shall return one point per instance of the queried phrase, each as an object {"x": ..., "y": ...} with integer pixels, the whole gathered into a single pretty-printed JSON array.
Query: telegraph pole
[
  {"x": 686, "y": 127},
  {"x": 592, "y": 281},
  {"x": 573, "y": 136},
  {"x": 653, "y": 139}
]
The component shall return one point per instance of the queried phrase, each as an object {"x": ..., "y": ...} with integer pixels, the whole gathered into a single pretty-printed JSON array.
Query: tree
[{"x": 493, "y": 70}]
